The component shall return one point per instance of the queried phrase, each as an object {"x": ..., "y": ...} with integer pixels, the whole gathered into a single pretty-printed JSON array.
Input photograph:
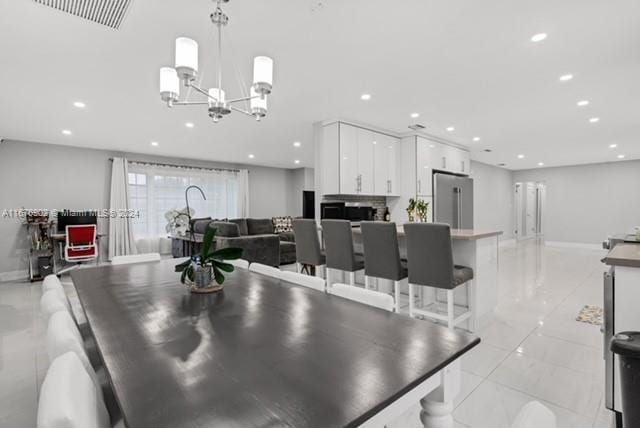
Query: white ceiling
[{"x": 463, "y": 63}]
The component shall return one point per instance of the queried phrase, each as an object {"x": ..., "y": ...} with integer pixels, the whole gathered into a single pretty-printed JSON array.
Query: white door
[
  {"x": 367, "y": 140},
  {"x": 349, "y": 180}
]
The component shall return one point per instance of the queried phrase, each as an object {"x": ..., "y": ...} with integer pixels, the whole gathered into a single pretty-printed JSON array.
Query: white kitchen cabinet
[
  {"x": 386, "y": 155},
  {"x": 366, "y": 145},
  {"x": 349, "y": 173},
  {"x": 427, "y": 153}
]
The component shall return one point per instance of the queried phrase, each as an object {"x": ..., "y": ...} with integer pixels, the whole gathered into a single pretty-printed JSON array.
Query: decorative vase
[{"x": 203, "y": 277}]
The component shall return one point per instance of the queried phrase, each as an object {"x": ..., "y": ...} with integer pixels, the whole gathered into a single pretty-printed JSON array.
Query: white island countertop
[{"x": 458, "y": 234}]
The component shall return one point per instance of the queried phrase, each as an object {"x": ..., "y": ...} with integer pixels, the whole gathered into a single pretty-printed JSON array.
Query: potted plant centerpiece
[
  {"x": 418, "y": 210},
  {"x": 203, "y": 272}
]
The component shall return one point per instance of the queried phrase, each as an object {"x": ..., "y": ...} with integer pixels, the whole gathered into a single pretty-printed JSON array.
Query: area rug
[{"x": 591, "y": 315}]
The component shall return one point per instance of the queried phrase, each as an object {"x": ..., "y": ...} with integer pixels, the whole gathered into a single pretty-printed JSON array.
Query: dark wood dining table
[{"x": 262, "y": 353}]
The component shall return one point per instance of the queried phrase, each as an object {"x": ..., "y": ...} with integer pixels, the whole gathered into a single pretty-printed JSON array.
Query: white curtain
[
  {"x": 121, "y": 240},
  {"x": 243, "y": 193},
  {"x": 156, "y": 189}
]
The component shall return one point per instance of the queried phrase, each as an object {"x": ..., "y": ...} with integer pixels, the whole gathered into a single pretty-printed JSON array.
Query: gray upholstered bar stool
[
  {"x": 308, "y": 249},
  {"x": 382, "y": 255},
  {"x": 430, "y": 262},
  {"x": 338, "y": 247}
]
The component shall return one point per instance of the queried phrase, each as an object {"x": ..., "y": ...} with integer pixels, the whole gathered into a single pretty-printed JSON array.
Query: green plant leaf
[
  {"x": 207, "y": 240},
  {"x": 180, "y": 267},
  {"x": 224, "y": 266},
  {"x": 191, "y": 273},
  {"x": 227, "y": 254},
  {"x": 218, "y": 275}
]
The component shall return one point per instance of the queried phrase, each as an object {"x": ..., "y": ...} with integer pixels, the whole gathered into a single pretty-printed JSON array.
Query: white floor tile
[
  {"x": 567, "y": 388},
  {"x": 483, "y": 359}
]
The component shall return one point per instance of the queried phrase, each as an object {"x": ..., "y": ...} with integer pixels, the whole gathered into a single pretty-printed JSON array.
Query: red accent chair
[{"x": 81, "y": 243}]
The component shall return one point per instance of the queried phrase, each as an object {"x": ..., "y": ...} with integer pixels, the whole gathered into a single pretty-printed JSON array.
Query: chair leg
[
  {"x": 366, "y": 282},
  {"x": 352, "y": 278},
  {"x": 471, "y": 321},
  {"x": 411, "y": 300},
  {"x": 450, "y": 313},
  {"x": 328, "y": 272},
  {"x": 396, "y": 294},
  {"x": 298, "y": 267}
]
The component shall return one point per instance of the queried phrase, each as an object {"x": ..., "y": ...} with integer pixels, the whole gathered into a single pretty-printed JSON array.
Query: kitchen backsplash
[{"x": 377, "y": 202}]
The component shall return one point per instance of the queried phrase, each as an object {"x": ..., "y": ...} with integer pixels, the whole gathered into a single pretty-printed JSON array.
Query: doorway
[{"x": 529, "y": 201}]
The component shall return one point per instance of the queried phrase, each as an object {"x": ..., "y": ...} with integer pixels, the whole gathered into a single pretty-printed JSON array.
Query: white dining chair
[
  {"x": 68, "y": 397},
  {"x": 53, "y": 301},
  {"x": 535, "y": 415},
  {"x": 239, "y": 263},
  {"x": 313, "y": 282},
  {"x": 63, "y": 336},
  {"x": 135, "y": 258},
  {"x": 51, "y": 282},
  {"x": 362, "y": 295},
  {"x": 265, "y": 270}
]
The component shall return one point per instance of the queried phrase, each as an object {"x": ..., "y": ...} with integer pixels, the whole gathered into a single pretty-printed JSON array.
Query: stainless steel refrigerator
[{"x": 453, "y": 200}]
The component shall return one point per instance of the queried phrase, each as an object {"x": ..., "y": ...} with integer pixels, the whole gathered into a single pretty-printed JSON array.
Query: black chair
[
  {"x": 430, "y": 263},
  {"x": 382, "y": 255},
  {"x": 308, "y": 250},
  {"x": 338, "y": 246}
]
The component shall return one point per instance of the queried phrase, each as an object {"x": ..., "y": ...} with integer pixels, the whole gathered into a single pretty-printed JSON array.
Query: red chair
[{"x": 81, "y": 243}]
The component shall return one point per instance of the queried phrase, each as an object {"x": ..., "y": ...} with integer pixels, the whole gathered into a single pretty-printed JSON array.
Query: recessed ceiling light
[
  {"x": 251, "y": 156},
  {"x": 583, "y": 103},
  {"x": 79, "y": 104},
  {"x": 566, "y": 77},
  {"x": 66, "y": 132},
  {"x": 297, "y": 144},
  {"x": 520, "y": 156},
  {"x": 365, "y": 97},
  {"x": 431, "y": 146},
  {"x": 613, "y": 146},
  {"x": 296, "y": 161},
  {"x": 189, "y": 125},
  {"x": 540, "y": 163},
  {"x": 155, "y": 143},
  {"x": 539, "y": 37},
  {"x": 451, "y": 129},
  {"x": 476, "y": 139},
  {"x": 620, "y": 156},
  {"x": 594, "y": 120},
  {"x": 415, "y": 115}
]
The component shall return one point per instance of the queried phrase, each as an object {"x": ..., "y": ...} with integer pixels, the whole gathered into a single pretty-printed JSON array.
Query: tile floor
[{"x": 533, "y": 350}]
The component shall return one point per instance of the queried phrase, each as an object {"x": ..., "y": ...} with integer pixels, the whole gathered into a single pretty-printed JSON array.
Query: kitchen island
[{"x": 474, "y": 248}]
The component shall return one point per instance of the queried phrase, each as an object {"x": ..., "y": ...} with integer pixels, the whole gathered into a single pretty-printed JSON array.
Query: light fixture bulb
[
  {"x": 186, "y": 58},
  {"x": 262, "y": 74},
  {"x": 169, "y": 84},
  {"x": 258, "y": 104},
  {"x": 566, "y": 77},
  {"x": 365, "y": 97},
  {"x": 539, "y": 37}
]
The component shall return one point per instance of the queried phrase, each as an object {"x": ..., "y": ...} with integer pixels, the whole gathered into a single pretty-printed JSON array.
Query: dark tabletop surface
[{"x": 259, "y": 354}]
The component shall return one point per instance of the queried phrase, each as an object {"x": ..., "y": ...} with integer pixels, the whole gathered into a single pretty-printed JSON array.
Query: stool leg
[
  {"x": 450, "y": 313},
  {"x": 366, "y": 282},
  {"x": 471, "y": 321},
  {"x": 328, "y": 278},
  {"x": 352, "y": 278},
  {"x": 396, "y": 294},
  {"x": 298, "y": 269},
  {"x": 411, "y": 300}
]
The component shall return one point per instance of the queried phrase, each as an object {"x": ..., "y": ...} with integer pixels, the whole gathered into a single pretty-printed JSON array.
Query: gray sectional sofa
[{"x": 257, "y": 238}]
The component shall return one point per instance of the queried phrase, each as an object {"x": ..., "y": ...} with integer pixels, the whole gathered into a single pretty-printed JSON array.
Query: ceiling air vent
[
  {"x": 106, "y": 12},
  {"x": 417, "y": 127}
]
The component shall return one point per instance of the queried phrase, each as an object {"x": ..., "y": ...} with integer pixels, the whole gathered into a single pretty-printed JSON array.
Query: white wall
[
  {"x": 585, "y": 203},
  {"x": 49, "y": 176},
  {"x": 493, "y": 198}
]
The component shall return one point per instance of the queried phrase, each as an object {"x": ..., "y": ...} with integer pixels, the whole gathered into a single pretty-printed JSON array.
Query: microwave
[{"x": 347, "y": 211}]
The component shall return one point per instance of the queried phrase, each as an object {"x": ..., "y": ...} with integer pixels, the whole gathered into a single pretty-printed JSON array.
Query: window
[{"x": 154, "y": 190}]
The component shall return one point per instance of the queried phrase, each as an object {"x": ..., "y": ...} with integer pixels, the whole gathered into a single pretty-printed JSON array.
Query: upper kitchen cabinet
[
  {"x": 358, "y": 161},
  {"x": 386, "y": 156},
  {"x": 427, "y": 154}
]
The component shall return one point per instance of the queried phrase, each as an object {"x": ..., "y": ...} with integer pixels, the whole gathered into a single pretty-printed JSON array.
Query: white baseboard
[
  {"x": 581, "y": 245},
  {"x": 14, "y": 275}
]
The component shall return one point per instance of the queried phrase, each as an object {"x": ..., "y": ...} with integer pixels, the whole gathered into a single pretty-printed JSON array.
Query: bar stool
[
  {"x": 308, "y": 249},
  {"x": 338, "y": 245},
  {"x": 382, "y": 255},
  {"x": 430, "y": 262}
]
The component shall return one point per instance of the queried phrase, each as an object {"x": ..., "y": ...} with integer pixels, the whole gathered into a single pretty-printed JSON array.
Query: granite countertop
[
  {"x": 627, "y": 255},
  {"x": 458, "y": 234}
]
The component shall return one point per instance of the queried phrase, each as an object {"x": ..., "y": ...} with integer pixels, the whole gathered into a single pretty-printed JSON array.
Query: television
[{"x": 73, "y": 218}]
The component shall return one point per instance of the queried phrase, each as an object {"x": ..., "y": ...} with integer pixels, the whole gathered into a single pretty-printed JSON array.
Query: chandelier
[{"x": 186, "y": 71}]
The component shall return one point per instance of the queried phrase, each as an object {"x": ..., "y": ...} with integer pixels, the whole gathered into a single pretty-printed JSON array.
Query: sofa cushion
[
  {"x": 287, "y": 252},
  {"x": 200, "y": 225},
  {"x": 242, "y": 225},
  {"x": 193, "y": 220},
  {"x": 287, "y": 237},
  {"x": 259, "y": 226},
  {"x": 226, "y": 229},
  {"x": 282, "y": 224}
]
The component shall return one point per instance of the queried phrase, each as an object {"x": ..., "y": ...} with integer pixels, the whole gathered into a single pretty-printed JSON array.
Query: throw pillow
[{"x": 282, "y": 224}]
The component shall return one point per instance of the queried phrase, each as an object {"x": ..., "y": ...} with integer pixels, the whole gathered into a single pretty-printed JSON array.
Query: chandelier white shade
[{"x": 186, "y": 71}]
